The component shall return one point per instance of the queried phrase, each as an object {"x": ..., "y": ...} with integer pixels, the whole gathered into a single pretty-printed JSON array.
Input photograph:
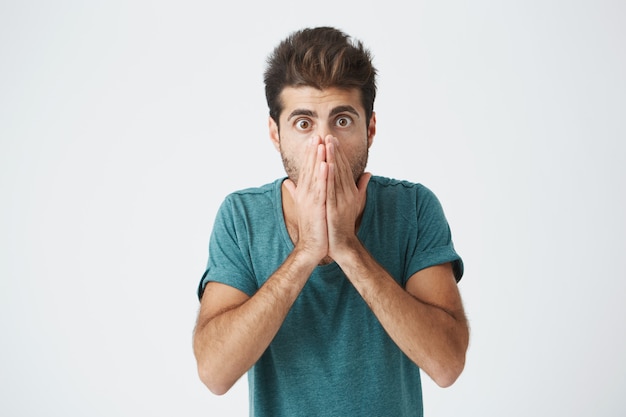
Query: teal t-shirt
[{"x": 331, "y": 356}]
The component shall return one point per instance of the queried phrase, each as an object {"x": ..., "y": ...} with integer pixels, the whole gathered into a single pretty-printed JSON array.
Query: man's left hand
[{"x": 345, "y": 200}]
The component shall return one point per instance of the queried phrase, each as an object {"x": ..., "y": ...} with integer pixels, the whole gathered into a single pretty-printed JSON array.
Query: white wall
[{"x": 124, "y": 124}]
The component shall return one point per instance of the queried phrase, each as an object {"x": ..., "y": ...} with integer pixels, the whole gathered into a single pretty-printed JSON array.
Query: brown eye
[
  {"x": 303, "y": 124},
  {"x": 343, "y": 121}
]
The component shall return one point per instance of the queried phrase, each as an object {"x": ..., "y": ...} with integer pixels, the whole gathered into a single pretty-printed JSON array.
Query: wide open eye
[
  {"x": 303, "y": 124},
  {"x": 343, "y": 121}
]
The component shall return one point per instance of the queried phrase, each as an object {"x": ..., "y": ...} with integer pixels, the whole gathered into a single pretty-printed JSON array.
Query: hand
[
  {"x": 345, "y": 200},
  {"x": 309, "y": 197}
]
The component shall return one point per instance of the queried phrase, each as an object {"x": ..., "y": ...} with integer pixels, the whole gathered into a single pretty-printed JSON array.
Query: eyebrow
[
  {"x": 333, "y": 112},
  {"x": 301, "y": 112},
  {"x": 345, "y": 109}
]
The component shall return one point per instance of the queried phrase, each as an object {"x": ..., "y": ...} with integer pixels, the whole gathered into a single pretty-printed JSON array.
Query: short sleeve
[
  {"x": 434, "y": 244},
  {"x": 228, "y": 262}
]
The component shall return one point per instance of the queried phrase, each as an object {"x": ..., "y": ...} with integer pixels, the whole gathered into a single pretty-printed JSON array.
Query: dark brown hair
[{"x": 320, "y": 57}]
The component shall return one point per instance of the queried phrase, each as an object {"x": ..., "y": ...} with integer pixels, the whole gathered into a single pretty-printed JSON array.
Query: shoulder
[
  {"x": 384, "y": 187},
  {"x": 264, "y": 194},
  {"x": 406, "y": 198},
  {"x": 256, "y": 192},
  {"x": 251, "y": 203}
]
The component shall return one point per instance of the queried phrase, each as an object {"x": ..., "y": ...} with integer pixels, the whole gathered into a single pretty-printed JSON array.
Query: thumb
[
  {"x": 364, "y": 179},
  {"x": 291, "y": 187}
]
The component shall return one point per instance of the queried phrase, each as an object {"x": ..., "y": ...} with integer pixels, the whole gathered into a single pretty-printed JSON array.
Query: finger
[
  {"x": 320, "y": 163},
  {"x": 329, "y": 142},
  {"x": 324, "y": 169},
  {"x": 331, "y": 194},
  {"x": 291, "y": 187},
  {"x": 321, "y": 172},
  {"x": 307, "y": 171},
  {"x": 364, "y": 179},
  {"x": 321, "y": 153},
  {"x": 334, "y": 165},
  {"x": 344, "y": 176}
]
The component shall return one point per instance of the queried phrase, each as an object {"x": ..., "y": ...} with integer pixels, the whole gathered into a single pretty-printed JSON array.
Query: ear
[
  {"x": 274, "y": 135},
  {"x": 371, "y": 130}
]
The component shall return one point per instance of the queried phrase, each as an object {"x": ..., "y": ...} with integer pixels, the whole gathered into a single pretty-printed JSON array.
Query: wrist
[
  {"x": 349, "y": 252},
  {"x": 306, "y": 257}
]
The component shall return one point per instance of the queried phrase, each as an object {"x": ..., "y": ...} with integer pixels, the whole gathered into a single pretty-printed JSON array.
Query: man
[{"x": 331, "y": 288}]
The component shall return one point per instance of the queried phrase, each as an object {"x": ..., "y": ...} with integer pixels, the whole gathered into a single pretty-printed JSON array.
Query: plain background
[{"x": 123, "y": 125}]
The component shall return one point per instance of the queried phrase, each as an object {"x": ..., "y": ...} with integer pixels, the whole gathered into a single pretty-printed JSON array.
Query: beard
[{"x": 357, "y": 166}]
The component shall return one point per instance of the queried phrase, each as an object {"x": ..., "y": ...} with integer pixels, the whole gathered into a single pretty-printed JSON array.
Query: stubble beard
[{"x": 358, "y": 167}]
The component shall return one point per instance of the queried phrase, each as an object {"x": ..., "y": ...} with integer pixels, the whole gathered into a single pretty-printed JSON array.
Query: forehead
[{"x": 320, "y": 101}]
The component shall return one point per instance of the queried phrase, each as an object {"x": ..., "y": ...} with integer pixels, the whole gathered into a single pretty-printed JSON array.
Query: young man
[{"x": 331, "y": 287}]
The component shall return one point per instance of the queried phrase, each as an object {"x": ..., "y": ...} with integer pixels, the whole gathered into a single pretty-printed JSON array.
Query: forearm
[
  {"x": 229, "y": 343},
  {"x": 433, "y": 338}
]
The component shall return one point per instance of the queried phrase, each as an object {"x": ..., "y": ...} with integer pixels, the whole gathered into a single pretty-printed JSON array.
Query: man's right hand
[
  {"x": 233, "y": 330},
  {"x": 309, "y": 197}
]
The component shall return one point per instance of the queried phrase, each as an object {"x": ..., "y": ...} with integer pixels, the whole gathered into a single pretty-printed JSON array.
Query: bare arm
[
  {"x": 426, "y": 320},
  {"x": 233, "y": 330}
]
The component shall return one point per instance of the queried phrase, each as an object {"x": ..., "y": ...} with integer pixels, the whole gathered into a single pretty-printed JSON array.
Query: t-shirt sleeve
[
  {"x": 228, "y": 262},
  {"x": 434, "y": 244}
]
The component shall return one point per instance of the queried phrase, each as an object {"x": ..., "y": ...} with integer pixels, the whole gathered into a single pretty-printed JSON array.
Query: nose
[{"x": 323, "y": 130}]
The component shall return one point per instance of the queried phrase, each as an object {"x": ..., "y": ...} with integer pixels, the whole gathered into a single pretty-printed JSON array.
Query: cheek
[
  {"x": 293, "y": 152},
  {"x": 355, "y": 150}
]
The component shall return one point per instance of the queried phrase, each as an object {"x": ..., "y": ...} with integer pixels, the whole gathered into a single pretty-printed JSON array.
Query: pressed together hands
[
  {"x": 233, "y": 329},
  {"x": 328, "y": 201},
  {"x": 426, "y": 320}
]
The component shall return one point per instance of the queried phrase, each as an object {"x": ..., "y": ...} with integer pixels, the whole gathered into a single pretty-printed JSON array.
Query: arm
[
  {"x": 233, "y": 330},
  {"x": 426, "y": 319}
]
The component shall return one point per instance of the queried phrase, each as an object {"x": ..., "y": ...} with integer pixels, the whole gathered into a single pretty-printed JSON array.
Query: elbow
[
  {"x": 449, "y": 370},
  {"x": 448, "y": 375},
  {"x": 211, "y": 374},
  {"x": 217, "y": 386}
]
